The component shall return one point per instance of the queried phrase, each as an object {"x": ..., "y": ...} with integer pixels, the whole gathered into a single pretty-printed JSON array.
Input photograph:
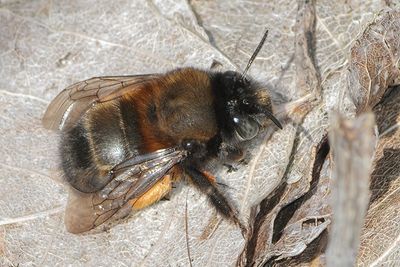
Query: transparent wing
[
  {"x": 132, "y": 178},
  {"x": 72, "y": 102}
]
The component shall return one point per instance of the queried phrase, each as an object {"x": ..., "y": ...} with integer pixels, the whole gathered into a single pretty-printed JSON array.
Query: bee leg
[
  {"x": 167, "y": 197},
  {"x": 207, "y": 184},
  {"x": 230, "y": 167},
  {"x": 154, "y": 194},
  {"x": 224, "y": 185},
  {"x": 213, "y": 180},
  {"x": 230, "y": 153}
]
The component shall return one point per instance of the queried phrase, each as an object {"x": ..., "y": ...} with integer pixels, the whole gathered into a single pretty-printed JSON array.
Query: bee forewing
[
  {"x": 86, "y": 211},
  {"x": 72, "y": 102}
]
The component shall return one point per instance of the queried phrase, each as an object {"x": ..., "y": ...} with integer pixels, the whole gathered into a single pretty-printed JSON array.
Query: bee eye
[
  {"x": 245, "y": 127},
  {"x": 245, "y": 102}
]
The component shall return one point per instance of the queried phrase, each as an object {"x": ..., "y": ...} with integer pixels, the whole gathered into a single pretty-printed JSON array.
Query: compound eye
[{"x": 246, "y": 127}]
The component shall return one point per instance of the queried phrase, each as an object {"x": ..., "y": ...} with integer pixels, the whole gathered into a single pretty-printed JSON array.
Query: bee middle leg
[{"x": 207, "y": 184}]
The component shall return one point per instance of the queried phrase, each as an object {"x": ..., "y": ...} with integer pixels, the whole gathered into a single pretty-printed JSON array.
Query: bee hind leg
[{"x": 207, "y": 184}]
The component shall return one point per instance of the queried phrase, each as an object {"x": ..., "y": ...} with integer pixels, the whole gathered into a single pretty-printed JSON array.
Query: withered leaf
[
  {"x": 381, "y": 233},
  {"x": 47, "y": 45},
  {"x": 375, "y": 60}
]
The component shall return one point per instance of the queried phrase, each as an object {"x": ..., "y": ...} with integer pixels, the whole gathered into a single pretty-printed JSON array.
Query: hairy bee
[{"x": 126, "y": 139}]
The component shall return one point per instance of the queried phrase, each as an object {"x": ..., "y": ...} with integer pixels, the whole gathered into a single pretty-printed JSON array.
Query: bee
[{"x": 125, "y": 140}]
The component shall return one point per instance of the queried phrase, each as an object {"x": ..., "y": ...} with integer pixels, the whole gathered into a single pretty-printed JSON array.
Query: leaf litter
[{"x": 47, "y": 46}]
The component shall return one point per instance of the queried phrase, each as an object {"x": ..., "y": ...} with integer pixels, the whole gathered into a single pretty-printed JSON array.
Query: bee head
[{"x": 239, "y": 100}]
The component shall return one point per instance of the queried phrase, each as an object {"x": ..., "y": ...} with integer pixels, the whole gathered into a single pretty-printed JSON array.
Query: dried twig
[{"x": 352, "y": 143}]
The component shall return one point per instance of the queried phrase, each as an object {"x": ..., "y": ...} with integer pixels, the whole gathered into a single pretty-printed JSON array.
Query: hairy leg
[{"x": 207, "y": 184}]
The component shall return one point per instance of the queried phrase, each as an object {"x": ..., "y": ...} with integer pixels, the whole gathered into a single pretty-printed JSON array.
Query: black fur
[
  {"x": 78, "y": 142},
  {"x": 129, "y": 120},
  {"x": 110, "y": 138},
  {"x": 234, "y": 96},
  {"x": 77, "y": 160},
  {"x": 215, "y": 196}
]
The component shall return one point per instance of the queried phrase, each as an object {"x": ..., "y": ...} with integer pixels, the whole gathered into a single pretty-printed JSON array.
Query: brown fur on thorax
[{"x": 175, "y": 107}]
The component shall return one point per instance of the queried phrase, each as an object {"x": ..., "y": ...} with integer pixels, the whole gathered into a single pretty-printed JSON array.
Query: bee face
[{"x": 238, "y": 103}]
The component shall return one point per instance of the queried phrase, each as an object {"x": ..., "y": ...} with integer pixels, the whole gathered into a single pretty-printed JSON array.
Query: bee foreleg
[{"x": 230, "y": 167}]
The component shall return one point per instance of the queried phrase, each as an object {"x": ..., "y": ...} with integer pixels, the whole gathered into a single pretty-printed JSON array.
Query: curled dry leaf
[
  {"x": 380, "y": 238},
  {"x": 263, "y": 244},
  {"x": 309, "y": 215},
  {"x": 291, "y": 217},
  {"x": 353, "y": 144},
  {"x": 375, "y": 60},
  {"x": 315, "y": 205}
]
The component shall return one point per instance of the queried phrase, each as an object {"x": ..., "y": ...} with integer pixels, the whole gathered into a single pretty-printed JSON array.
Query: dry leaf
[
  {"x": 381, "y": 235},
  {"x": 46, "y": 45},
  {"x": 375, "y": 60},
  {"x": 376, "y": 64},
  {"x": 310, "y": 133}
]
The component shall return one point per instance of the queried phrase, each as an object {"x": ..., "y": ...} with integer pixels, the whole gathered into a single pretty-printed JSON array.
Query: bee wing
[
  {"x": 133, "y": 178},
  {"x": 72, "y": 102}
]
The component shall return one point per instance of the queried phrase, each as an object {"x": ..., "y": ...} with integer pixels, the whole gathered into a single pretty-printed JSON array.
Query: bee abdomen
[
  {"x": 105, "y": 136},
  {"x": 80, "y": 169}
]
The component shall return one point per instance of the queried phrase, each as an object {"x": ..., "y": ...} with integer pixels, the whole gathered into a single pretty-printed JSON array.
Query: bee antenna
[{"x": 260, "y": 45}]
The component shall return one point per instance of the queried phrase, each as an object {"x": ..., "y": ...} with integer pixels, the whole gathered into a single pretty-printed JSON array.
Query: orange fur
[
  {"x": 160, "y": 134},
  {"x": 210, "y": 177},
  {"x": 158, "y": 191}
]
